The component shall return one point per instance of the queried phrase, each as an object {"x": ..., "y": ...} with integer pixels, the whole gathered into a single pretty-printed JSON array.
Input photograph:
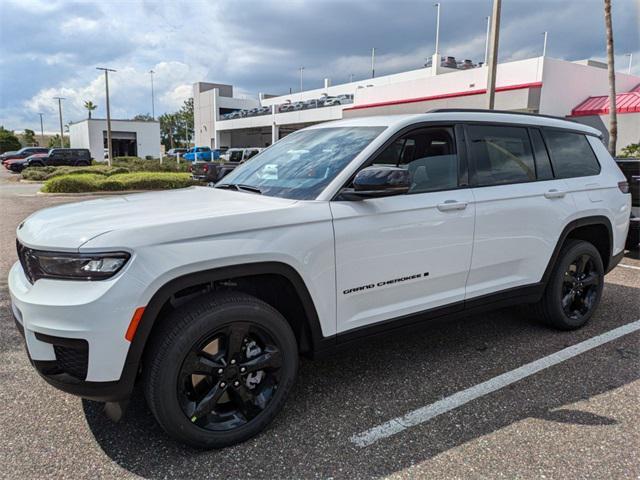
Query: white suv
[{"x": 208, "y": 295}]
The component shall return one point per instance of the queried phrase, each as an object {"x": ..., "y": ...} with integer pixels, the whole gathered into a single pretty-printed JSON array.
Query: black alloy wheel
[
  {"x": 580, "y": 287},
  {"x": 575, "y": 286},
  {"x": 219, "y": 369},
  {"x": 230, "y": 377}
]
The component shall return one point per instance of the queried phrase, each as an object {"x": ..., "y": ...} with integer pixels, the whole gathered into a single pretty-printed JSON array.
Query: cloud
[{"x": 51, "y": 47}]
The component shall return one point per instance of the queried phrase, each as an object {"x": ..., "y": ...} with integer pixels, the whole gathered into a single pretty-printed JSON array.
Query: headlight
[{"x": 70, "y": 266}]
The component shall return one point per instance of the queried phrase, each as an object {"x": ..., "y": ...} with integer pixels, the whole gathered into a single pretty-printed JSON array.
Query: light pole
[
  {"x": 493, "y": 54},
  {"x": 544, "y": 45},
  {"x": 60, "y": 114},
  {"x": 437, "y": 5},
  {"x": 373, "y": 62},
  {"x": 486, "y": 41},
  {"x": 630, "y": 55},
  {"x": 41, "y": 129},
  {"x": 106, "y": 84},
  {"x": 153, "y": 106},
  {"x": 301, "y": 72}
]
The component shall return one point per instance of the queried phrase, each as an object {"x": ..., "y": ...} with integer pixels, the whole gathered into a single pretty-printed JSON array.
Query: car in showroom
[{"x": 206, "y": 297}]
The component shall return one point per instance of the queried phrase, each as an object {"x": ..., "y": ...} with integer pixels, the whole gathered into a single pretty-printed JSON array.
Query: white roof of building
[{"x": 399, "y": 121}]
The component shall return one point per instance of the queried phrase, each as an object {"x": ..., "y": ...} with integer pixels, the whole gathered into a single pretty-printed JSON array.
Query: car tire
[
  {"x": 575, "y": 287},
  {"x": 176, "y": 399}
]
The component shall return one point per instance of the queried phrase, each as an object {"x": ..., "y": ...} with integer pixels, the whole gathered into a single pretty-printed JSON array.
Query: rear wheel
[
  {"x": 575, "y": 287},
  {"x": 220, "y": 370}
]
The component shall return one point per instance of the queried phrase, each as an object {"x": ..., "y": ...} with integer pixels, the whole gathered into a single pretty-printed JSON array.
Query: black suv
[
  {"x": 631, "y": 169},
  {"x": 75, "y": 157}
]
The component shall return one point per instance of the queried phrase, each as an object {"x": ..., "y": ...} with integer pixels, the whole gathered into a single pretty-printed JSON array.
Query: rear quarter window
[{"x": 571, "y": 154}]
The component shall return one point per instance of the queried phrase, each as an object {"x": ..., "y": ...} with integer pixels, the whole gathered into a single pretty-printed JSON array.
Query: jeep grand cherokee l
[{"x": 208, "y": 295}]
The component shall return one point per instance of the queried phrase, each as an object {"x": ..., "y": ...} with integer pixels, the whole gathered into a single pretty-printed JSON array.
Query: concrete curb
[{"x": 93, "y": 194}]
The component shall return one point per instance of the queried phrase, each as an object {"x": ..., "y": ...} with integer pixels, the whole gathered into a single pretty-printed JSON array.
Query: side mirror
[{"x": 379, "y": 181}]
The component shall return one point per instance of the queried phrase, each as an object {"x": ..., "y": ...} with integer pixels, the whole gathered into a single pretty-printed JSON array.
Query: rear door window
[
  {"x": 500, "y": 155},
  {"x": 571, "y": 154}
]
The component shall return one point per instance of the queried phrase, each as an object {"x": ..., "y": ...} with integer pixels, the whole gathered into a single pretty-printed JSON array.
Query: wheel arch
[
  {"x": 308, "y": 330},
  {"x": 594, "y": 229}
]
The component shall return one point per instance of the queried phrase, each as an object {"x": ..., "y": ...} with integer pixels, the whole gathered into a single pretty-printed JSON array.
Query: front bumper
[{"x": 74, "y": 333}]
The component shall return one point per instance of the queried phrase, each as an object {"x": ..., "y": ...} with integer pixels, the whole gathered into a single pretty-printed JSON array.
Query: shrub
[
  {"x": 87, "y": 182},
  {"x": 45, "y": 173}
]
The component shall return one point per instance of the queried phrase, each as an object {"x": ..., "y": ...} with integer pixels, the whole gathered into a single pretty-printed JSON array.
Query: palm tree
[
  {"x": 613, "y": 115},
  {"x": 90, "y": 106}
]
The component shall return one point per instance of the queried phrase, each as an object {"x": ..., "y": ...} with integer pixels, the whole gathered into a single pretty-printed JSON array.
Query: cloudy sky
[{"x": 50, "y": 48}]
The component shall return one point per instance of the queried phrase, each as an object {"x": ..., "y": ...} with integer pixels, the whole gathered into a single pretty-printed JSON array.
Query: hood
[{"x": 68, "y": 227}]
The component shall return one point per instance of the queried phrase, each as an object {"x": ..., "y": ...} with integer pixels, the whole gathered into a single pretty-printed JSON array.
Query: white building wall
[
  {"x": 567, "y": 84},
  {"x": 89, "y": 134}
]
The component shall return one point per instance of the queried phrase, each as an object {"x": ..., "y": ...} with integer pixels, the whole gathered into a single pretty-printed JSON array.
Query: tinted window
[
  {"x": 543, "y": 164},
  {"x": 571, "y": 154},
  {"x": 501, "y": 154},
  {"x": 430, "y": 156}
]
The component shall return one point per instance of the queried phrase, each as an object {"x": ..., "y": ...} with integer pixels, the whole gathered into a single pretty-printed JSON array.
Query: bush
[
  {"x": 150, "y": 165},
  {"x": 45, "y": 173},
  {"x": 91, "y": 182}
]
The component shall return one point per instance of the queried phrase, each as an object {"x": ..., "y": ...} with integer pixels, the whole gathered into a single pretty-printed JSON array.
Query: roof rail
[{"x": 506, "y": 112}]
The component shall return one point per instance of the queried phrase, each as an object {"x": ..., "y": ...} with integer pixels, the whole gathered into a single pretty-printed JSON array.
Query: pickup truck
[
  {"x": 195, "y": 154},
  {"x": 212, "y": 172}
]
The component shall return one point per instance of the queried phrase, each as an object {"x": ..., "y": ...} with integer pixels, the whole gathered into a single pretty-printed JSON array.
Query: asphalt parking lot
[{"x": 577, "y": 418}]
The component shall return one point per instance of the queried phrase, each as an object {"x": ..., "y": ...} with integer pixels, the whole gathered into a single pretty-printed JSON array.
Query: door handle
[
  {"x": 554, "y": 193},
  {"x": 449, "y": 205}
]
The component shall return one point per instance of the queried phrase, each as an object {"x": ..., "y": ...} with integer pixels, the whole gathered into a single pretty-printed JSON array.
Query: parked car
[
  {"x": 174, "y": 152},
  {"x": 213, "y": 172},
  {"x": 631, "y": 169},
  {"x": 75, "y": 157},
  {"x": 205, "y": 154},
  {"x": 18, "y": 164},
  {"x": 206, "y": 297},
  {"x": 22, "y": 153}
]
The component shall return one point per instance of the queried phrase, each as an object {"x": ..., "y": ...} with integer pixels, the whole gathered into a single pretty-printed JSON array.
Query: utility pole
[
  {"x": 301, "y": 72},
  {"x": 437, "y": 5},
  {"x": 486, "y": 41},
  {"x": 41, "y": 130},
  {"x": 153, "y": 106},
  {"x": 544, "y": 45},
  {"x": 106, "y": 84},
  {"x": 60, "y": 114},
  {"x": 373, "y": 62},
  {"x": 493, "y": 54},
  {"x": 630, "y": 55}
]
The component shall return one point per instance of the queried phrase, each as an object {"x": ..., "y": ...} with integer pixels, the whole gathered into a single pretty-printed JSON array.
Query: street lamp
[
  {"x": 106, "y": 84},
  {"x": 301, "y": 72},
  {"x": 60, "y": 114},
  {"x": 153, "y": 107},
  {"x": 41, "y": 130},
  {"x": 630, "y": 55}
]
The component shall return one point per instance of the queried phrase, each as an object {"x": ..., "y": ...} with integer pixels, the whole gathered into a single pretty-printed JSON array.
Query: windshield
[{"x": 303, "y": 163}]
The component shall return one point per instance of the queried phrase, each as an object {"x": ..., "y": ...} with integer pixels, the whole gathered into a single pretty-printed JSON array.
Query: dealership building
[
  {"x": 129, "y": 138},
  {"x": 538, "y": 85}
]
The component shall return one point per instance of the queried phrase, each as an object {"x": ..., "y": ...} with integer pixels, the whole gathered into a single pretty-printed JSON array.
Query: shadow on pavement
[{"x": 380, "y": 379}]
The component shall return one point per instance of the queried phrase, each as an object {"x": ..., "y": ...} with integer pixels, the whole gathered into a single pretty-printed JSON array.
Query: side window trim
[{"x": 546, "y": 148}]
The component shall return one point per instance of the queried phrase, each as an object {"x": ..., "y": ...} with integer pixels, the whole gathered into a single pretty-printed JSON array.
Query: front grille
[{"x": 73, "y": 361}]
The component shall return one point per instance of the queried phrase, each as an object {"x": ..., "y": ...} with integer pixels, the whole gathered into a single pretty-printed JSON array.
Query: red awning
[{"x": 625, "y": 103}]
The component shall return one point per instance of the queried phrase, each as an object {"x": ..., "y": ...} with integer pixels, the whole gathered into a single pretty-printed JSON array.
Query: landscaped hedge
[
  {"x": 120, "y": 165},
  {"x": 91, "y": 182}
]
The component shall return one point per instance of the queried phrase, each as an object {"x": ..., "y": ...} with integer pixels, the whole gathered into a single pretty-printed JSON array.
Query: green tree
[
  {"x": 8, "y": 141},
  {"x": 186, "y": 117},
  {"x": 143, "y": 117},
  {"x": 169, "y": 129},
  {"x": 28, "y": 138},
  {"x": 90, "y": 106},
  {"x": 54, "y": 142},
  {"x": 631, "y": 151}
]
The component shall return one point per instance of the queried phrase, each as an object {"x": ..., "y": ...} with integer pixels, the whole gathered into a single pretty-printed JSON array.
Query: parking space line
[
  {"x": 628, "y": 266},
  {"x": 426, "y": 413}
]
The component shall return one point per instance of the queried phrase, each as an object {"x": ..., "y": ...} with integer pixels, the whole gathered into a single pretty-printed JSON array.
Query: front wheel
[
  {"x": 575, "y": 287},
  {"x": 220, "y": 370}
]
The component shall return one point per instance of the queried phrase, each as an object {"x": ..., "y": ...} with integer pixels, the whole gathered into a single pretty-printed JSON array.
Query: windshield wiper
[{"x": 240, "y": 187}]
